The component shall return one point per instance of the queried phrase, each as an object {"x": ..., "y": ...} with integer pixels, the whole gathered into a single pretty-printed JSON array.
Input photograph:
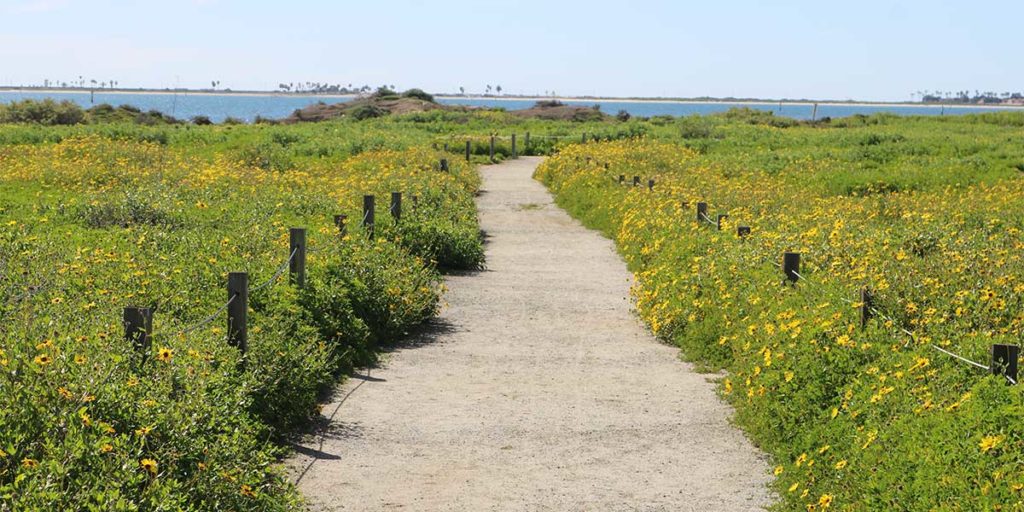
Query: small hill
[
  {"x": 381, "y": 103},
  {"x": 558, "y": 111}
]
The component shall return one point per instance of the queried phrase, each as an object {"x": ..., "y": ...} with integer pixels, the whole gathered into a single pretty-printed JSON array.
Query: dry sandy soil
[{"x": 536, "y": 389}]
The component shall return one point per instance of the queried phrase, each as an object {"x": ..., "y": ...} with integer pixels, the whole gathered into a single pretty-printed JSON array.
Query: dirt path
[{"x": 537, "y": 389}]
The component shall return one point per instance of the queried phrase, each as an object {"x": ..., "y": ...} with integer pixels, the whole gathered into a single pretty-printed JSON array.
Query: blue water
[{"x": 219, "y": 106}]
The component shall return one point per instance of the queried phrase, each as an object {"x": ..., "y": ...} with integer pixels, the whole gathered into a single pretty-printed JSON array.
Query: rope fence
[
  {"x": 1004, "y": 358},
  {"x": 138, "y": 321}
]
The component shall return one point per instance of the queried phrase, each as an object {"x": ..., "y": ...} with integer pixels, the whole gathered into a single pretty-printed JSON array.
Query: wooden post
[
  {"x": 238, "y": 311},
  {"x": 469, "y": 145},
  {"x": 650, "y": 185},
  {"x": 743, "y": 231},
  {"x": 622, "y": 179},
  {"x": 526, "y": 144},
  {"x": 138, "y": 329},
  {"x": 865, "y": 306},
  {"x": 791, "y": 266},
  {"x": 368, "y": 213},
  {"x": 636, "y": 181},
  {"x": 721, "y": 217},
  {"x": 396, "y": 206},
  {"x": 339, "y": 222},
  {"x": 297, "y": 265},
  {"x": 443, "y": 164},
  {"x": 584, "y": 139},
  {"x": 702, "y": 212},
  {"x": 515, "y": 154},
  {"x": 492, "y": 149},
  {"x": 1004, "y": 361}
]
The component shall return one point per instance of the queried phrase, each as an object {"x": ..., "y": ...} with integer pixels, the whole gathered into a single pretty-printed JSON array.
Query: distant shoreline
[{"x": 688, "y": 101}]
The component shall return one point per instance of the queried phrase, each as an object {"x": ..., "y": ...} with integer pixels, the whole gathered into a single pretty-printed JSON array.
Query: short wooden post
[
  {"x": 492, "y": 149},
  {"x": 584, "y": 138},
  {"x": 1004, "y": 361},
  {"x": 238, "y": 311},
  {"x": 297, "y": 251},
  {"x": 791, "y": 266},
  {"x": 339, "y": 222},
  {"x": 443, "y": 164},
  {"x": 515, "y": 154},
  {"x": 469, "y": 145},
  {"x": 865, "y": 306},
  {"x": 743, "y": 231},
  {"x": 650, "y": 185},
  {"x": 702, "y": 212},
  {"x": 526, "y": 144},
  {"x": 368, "y": 214},
  {"x": 396, "y": 206},
  {"x": 636, "y": 181},
  {"x": 622, "y": 179},
  {"x": 138, "y": 329},
  {"x": 721, "y": 217}
]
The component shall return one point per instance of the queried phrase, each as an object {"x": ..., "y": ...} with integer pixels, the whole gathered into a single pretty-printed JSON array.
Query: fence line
[{"x": 1005, "y": 363}]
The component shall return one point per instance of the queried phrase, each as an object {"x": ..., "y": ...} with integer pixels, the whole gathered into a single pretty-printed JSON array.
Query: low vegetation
[
  {"x": 115, "y": 207},
  {"x": 94, "y": 224},
  {"x": 924, "y": 213}
]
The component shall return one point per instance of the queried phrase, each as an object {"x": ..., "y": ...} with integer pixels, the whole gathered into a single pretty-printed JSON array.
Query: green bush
[
  {"x": 46, "y": 112},
  {"x": 418, "y": 94}
]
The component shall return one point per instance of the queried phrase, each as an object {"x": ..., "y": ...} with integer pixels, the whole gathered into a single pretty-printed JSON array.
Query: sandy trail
[{"x": 536, "y": 389}]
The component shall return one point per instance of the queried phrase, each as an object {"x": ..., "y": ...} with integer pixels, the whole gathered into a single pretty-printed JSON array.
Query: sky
[{"x": 864, "y": 50}]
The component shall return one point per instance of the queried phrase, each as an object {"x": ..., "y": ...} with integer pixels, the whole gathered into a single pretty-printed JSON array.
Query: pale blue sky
[{"x": 871, "y": 50}]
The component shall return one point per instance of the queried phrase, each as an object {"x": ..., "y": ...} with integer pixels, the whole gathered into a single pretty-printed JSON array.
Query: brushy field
[
  {"x": 99, "y": 218},
  {"x": 926, "y": 213}
]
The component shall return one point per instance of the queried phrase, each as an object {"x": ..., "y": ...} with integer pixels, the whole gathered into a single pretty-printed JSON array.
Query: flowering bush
[
  {"x": 927, "y": 214},
  {"x": 93, "y": 224}
]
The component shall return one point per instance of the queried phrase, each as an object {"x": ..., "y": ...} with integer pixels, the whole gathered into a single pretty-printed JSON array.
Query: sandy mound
[{"x": 558, "y": 111}]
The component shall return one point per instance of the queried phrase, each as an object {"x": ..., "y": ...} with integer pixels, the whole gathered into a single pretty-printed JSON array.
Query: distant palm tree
[
  {"x": 462, "y": 90},
  {"x": 498, "y": 89}
]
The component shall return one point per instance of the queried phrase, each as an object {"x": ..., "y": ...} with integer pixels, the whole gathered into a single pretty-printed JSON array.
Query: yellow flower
[
  {"x": 29, "y": 463},
  {"x": 989, "y": 443},
  {"x": 247, "y": 491},
  {"x": 106, "y": 448},
  {"x": 788, "y": 376},
  {"x": 43, "y": 359},
  {"x": 841, "y": 464},
  {"x": 149, "y": 465},
  {"x": 794, "y": 486},
  {"x": 825, "y": 500},
  {"x": 165, "y": 355},
  {"x": 79, "y": 359},
  {"x": 778, "y": 470}
]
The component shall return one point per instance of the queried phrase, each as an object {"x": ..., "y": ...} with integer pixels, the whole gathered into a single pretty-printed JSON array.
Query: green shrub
[
  {"x": 363, "y": 112},
  {"x": 45, "y": 112},
  {"x": 418, "y": 94}
]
